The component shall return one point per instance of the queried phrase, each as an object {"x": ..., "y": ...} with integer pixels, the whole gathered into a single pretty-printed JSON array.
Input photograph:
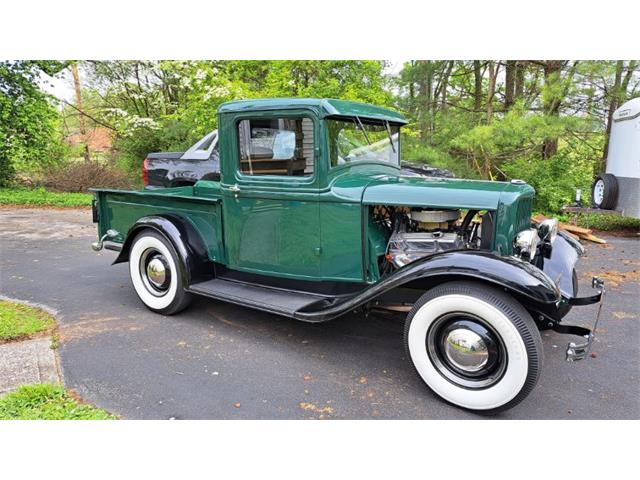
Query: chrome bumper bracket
[
  {"x": 97, "y": 246},
  {"x": 578, "y": 351}
]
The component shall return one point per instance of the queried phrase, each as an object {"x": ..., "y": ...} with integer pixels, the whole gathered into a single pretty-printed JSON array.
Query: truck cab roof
[{"x": 325, "y": 107}]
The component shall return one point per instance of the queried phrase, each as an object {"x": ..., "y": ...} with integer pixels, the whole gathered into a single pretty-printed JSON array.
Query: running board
[{"x": 268, "y": 299}]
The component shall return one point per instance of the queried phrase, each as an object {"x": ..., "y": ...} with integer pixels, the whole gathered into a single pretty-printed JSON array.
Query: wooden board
[
  {"x": 579, "y": 233},
  {"x": 594, "y": 239},
  {"x": 575, "y": 229},
  {"x": 539, "y": 218}
]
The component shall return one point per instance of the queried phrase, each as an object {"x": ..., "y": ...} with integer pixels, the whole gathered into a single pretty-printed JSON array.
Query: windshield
[{"x": 361, "y": 139}]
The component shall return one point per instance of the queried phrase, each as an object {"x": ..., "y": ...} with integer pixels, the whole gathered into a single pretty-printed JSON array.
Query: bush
[
  {"x": 7, "y": 172},
  {"x": 171, "y": 135},
  {"x": 80, "y": 176},
  {"x": 413, "y": 151},
  {"x": 555, "y": 179},
  {"x": 609, "y": 222},
  {"x": 33, "y": 164}
]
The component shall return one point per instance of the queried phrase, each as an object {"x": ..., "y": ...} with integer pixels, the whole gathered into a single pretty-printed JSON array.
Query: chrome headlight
[
  {"x": 527, "y": 243},
  {"x": 548, "y": 230}
]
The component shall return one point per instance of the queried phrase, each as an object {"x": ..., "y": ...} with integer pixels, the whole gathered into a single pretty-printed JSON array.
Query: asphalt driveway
[{"x": 220, "y": 361}]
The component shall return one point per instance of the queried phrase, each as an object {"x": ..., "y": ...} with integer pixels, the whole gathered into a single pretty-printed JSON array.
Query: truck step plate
[{"x": 273, "y": 300}]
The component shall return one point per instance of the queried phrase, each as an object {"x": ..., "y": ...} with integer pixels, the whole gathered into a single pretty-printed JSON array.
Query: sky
[{"x": 60, "y": 86}]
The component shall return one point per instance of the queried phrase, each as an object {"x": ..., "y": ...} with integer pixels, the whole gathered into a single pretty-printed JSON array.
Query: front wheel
[
  {"x": 156, "y": 275},
  {"x": 474, "y": 346}
]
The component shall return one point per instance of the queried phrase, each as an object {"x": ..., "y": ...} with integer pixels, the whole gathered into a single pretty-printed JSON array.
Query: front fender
[
  {"x": 560, "y": 267},
  {"x": 510, "y": 273},
  {"x": 184, "y": 237},
  {"x": 523, "y": 280}
]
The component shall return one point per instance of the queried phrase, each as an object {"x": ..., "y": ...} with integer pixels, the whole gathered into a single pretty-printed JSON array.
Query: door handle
[{"x": 235, "y": 189}]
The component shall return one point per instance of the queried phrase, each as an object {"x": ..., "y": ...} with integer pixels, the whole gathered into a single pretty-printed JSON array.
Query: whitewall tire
[
  {"x": 156, "y": 273},
  {"x": 474, "y": 346}
]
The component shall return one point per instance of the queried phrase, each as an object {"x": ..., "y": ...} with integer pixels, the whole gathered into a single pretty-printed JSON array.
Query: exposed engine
[{"x": 418, "y": 232}]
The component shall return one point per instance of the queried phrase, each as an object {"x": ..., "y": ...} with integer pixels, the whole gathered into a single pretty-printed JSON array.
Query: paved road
[{"x": 221, "y": 361}]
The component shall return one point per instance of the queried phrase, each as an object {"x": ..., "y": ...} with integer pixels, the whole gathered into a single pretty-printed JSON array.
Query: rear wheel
[
  {"x": 154, "y": 268},
  {"x": 474, "y": 346},
  {"x": 605, "y": 191}
]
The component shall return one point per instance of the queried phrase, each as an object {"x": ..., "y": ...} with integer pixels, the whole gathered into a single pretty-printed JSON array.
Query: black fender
[
  {"x": 560, "y": 265},
  {"x": 527, "y": 283},
  {"x": 512, "y": 274},
  {"x": 185, "y": 238}
]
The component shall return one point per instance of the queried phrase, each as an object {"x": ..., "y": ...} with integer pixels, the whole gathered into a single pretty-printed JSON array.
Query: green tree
[
  {"x": 167, "y": 105},
  {"x": 530, "y": 119},
  {"x": 494, "y": 119},
  {"x": 28, "y": 121},
  {"x": 212, "y": 83}
]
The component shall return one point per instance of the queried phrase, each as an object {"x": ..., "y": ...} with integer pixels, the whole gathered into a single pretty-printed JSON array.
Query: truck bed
[{"x": 200, "y": 204}]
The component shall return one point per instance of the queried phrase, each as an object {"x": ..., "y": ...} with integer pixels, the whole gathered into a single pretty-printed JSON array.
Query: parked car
[
  {"x": 178, "y": 169},
  {"x": 619, "y": 188},
  {"x": 325, "y": 224},
  {"x": 202, "y": 162}
]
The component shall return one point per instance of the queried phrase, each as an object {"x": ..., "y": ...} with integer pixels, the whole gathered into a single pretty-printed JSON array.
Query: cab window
[
  {"x": 276, "y": 146},
  {"x": 362, "y": 140}
]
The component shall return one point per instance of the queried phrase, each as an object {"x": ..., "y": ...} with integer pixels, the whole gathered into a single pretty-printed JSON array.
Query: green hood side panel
[
  {"x": 511, "y": 202},
  {"x": 369, "y": 184},
  {"x": 439, "y": 192}
]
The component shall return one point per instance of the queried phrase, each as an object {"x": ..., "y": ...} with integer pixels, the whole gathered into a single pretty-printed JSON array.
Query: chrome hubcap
[
  {"x": 466, "y": 350},
  {"x": 156, "y": 272}
]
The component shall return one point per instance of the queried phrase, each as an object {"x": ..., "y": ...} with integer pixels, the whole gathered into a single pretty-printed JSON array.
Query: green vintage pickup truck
[{"x": 312, "y": 220}]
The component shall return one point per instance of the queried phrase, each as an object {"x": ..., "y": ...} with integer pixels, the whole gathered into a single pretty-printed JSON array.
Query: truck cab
[
  {"x": 292, "y": 178},
  {"x": 312, "y": 219}
]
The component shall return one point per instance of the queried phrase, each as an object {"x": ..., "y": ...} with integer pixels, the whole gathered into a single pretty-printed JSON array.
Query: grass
[
  {"x": 21, "y": 321},
  {"x": 598, "y": 221},
  {"x": 608, "y": 222},
  {"x": 47, "y": 402},
  {"x": 39, "y": 197}
]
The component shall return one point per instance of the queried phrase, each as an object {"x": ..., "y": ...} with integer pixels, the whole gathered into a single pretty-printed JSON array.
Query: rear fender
[{"x": 184, "y": 237}]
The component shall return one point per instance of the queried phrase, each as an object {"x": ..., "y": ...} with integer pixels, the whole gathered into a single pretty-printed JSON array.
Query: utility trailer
[{"x": 619, "y": 188}]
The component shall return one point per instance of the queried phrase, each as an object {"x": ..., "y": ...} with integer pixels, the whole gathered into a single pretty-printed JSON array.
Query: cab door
[{"x": 270, "y": 195}]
